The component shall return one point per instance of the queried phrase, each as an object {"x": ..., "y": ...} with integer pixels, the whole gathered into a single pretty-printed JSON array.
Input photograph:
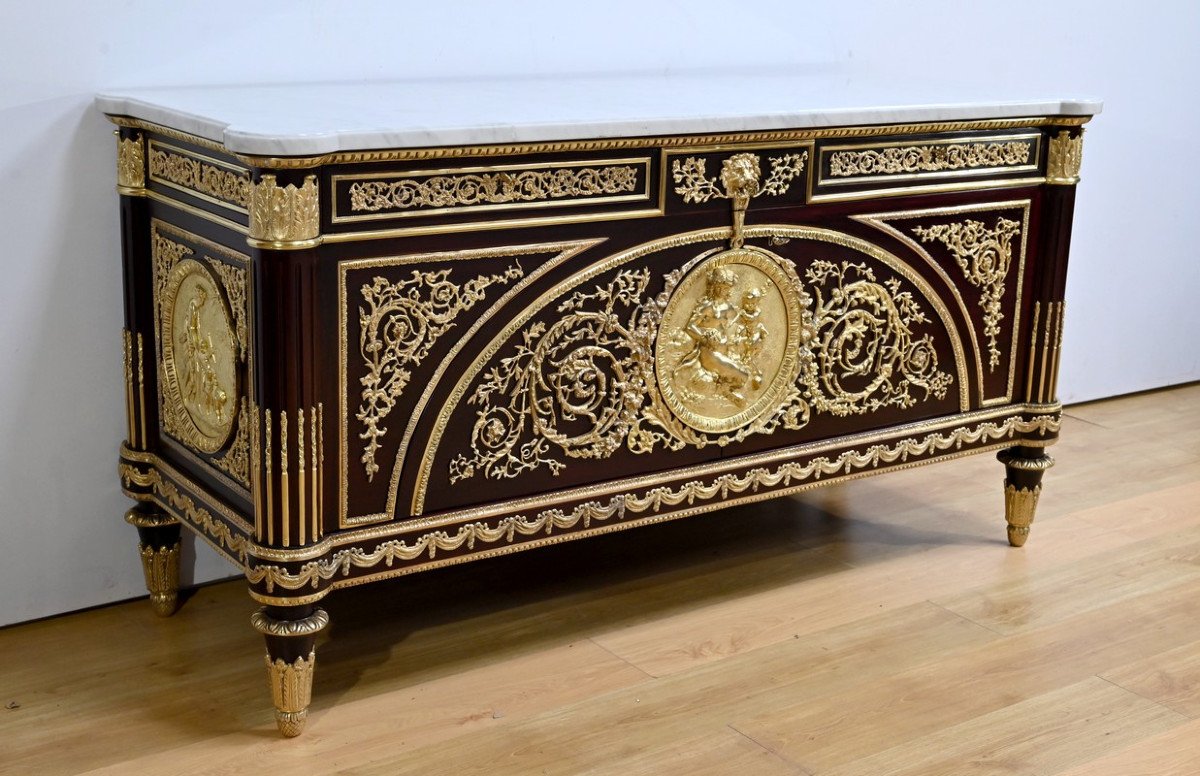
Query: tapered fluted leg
[
  {"x": 158, "y": 533},
  {"x": 1024, "y": 467},
  {"x": 291, "y": 635}
]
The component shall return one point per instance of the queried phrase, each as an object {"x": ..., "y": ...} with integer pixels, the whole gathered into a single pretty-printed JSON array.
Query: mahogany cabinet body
[{"x": 351, "y": 367}]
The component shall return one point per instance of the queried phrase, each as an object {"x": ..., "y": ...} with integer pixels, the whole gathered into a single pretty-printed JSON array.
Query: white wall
[{"x": 1132, "y": 316}]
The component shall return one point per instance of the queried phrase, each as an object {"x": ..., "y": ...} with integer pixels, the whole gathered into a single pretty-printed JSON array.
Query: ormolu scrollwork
[
  {"x": 195, "y": 175},
  {"x": 491, "y": 188},
  {"x": 399, "y": 324},
  {"x": 985, "y": 257},
  {"x": 866, "y": 354},
  {"x": 233, "y": 283},
  {"x": 931, "y": 157},
  {"x": 166, "y": 254},
  {"x": 608, "y": 373}
]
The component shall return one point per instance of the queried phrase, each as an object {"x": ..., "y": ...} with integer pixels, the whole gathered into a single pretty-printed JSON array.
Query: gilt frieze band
[
  {"x": 201, "y": 176},
  {"x": 368, "y": 196},
  {"x": 936, "y": 158}
]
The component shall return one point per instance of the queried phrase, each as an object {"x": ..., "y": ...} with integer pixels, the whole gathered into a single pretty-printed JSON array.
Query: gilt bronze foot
[
  {"x": 291, "y": 634},
  {"x": 159, "y": 549},
  {"x": 1024, "y": 467}
]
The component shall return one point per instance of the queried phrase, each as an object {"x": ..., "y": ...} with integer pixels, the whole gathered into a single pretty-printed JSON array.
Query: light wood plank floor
[{"x": 877, "y": 627}]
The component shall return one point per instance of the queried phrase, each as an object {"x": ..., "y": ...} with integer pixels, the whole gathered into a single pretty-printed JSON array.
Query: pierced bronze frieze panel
[
  {"x": 212, "y": 180},
  {"x": 476, "y": 191},
  {"x": 858, "y": 170}
]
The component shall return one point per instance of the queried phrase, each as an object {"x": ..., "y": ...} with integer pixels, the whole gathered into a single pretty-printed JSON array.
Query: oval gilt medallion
[
  {"x": 199, "y": 357},
  {"x": 729, "y": 343}
]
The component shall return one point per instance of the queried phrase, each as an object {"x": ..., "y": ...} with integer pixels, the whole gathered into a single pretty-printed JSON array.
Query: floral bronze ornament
[
  {"x": 734, "y": 345},
  {"x": 741, "y": 180},
  {"x": 985, "y": 257},
  {"x": 400, "y": 323},
  {"x": 225, "y": 183}
]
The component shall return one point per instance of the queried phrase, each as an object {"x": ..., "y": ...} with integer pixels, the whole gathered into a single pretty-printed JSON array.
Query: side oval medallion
[
  {"x": 730, "y": 342},
  {"x": 199, "y": 356}
]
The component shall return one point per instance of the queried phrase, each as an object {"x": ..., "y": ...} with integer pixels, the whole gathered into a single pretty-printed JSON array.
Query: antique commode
[{"x": 376, "y": 329}]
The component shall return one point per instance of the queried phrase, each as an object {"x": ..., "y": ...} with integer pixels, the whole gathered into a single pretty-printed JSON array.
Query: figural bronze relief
[
  {"x": 202, "y": 310},
  {"x": 199, "y": 356},
  {"x": 731, "y": 339}
]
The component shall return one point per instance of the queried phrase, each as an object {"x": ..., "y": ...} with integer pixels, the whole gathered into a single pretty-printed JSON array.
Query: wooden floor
[{"x": 877, "y": 627}]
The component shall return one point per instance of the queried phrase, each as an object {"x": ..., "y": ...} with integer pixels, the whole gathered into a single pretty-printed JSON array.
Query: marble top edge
[{"x": 309, "y": 120}]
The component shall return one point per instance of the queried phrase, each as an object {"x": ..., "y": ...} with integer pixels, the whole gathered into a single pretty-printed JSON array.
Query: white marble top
[{"x": 310, "y": 119}]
